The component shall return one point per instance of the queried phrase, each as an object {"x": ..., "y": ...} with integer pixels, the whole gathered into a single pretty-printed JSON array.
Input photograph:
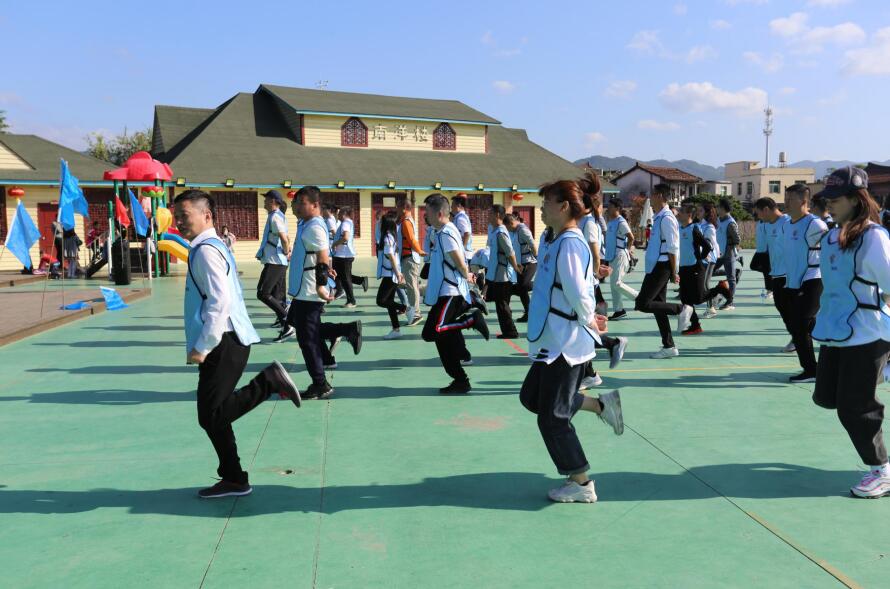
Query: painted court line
[{"x": 324, "y": 461}]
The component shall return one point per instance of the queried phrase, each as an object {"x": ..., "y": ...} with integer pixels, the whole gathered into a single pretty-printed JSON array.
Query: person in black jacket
[{"x": 694, "y": 249}]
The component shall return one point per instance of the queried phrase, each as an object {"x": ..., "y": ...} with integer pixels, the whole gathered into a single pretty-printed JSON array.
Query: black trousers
[
  {"x": 550, "y": 391},
  {"x": 781, "y": 300},
  {"x": 803, "y": 304},
  {"x": 314, "y": 336},
  {"x": 386, "y": 298},
  {"x": 760, "y": 263},
  {"x": 524, "y": 285},
  {"x": 692, "y": 288},
  {"x": 499, "y": 293},
  {"x": 270, "y": 288},
  {"x": 846, "y": 381},
  {"x": 444, "y": 325},
  {"x": 653, "y": 299},
  {"x": 220, "y": 404},
  {"x": 345, "y": 279}
]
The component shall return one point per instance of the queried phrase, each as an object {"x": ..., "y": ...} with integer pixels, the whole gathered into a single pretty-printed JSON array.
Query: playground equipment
[{"x": 174, "y": 245}]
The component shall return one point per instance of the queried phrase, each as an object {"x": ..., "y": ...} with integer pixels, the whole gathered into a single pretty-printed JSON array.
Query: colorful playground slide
[{"x": 174, "y": 245}]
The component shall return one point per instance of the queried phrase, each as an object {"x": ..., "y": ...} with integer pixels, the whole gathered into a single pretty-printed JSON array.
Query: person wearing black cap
[
  {"x": 274, "y": 253},
  {"x": 853, "y": 322}
]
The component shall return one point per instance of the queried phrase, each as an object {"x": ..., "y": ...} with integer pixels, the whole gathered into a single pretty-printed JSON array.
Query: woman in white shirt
[
  {"x": 390, "y": 273},
  {"x": 562, "y": 338}
]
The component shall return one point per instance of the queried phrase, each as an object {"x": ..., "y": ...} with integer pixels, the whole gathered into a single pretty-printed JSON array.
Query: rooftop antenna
[
  {"x": 767, "y": 130},
  {"x": 321, "y": 85}
]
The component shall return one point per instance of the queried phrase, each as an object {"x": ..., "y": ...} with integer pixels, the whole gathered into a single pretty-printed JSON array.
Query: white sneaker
[
  {"x": 872, "y": 486},
  {"x": 349, "y": 306},
  {"x": 572, "y": 492},
  {"x": 618, "y": 352},
  {"x": 769, "y": 295},
  {"x": 789, "y": 348},
  {"x": 711, "y": 313},
  {"x": 666, "y": 353},
  {"x": 394, "y": 334},
  {"x": 611, "y": 414},
  {"x": 588, "y": 382},
  {"x": 684, "y": 318}
]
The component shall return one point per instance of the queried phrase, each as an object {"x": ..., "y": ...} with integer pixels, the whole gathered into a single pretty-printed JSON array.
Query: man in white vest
[
  {"x": 274, "y": 253},
  {"x": 218, "y": 335}
]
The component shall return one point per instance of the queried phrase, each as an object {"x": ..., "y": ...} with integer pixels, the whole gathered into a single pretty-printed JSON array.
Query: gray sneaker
[{"x": 612, "y": 411}]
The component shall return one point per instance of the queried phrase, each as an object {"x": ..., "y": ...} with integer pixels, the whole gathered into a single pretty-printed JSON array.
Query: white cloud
[
  {"x": 646, "y": 42},
  {"x": 649, "y": 43},
  {"x": 704, "y": 96},
  {"x": 787, "y": 90},
  {"x": 770, "y": 64},
  {"x": 503, "y": 86},
  {"x": 700, "y": 53},
  {"x": 680, "y": 9},
  {"x": 828, "y": 3},
  {"x": 873, "y": 60},
  {"x": 806, "y": 39},
  {"x": 593, "y": 138},
  {"x": 621, "y": 88},
  {"x": 653, "y": 125},
  {"x": 497, "y": 50},
  {"x": 720, "y": 25}
]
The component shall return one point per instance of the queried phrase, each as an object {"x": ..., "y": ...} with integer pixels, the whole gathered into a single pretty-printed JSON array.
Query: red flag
[{"x": 120, "y": 212}]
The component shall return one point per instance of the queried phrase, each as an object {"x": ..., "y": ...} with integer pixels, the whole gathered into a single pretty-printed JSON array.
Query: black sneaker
[
  {"x": 281, "y": 383},
  {"x": 277, "y": 325},
  {"x": 478, "y": 303},
  {"x": 523, "y": 319},
  {"x": 480, "y": 325},
  {"x": 620, "y": 314},
  {"x": 457, "y": 387},
  {"x": 365, "y": 284},
  {"x": 331, "y": 366},
  {"x": 803, "y": 377},
  {"x": 319, "y": 391},
  {"x": 468, "y": 361},
  {"x": 355, "y": 337},
  {"x": 285, "y": 334},
  {"x": 225, "y": 489}
]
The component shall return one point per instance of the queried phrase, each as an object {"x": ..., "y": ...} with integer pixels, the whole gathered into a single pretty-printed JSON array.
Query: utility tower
[{"x": 767, "y": 131}]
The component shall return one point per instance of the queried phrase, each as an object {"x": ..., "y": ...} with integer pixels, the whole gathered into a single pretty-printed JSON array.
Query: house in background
[
  {"x": 718, "y": 187},
  {"x": 878, "y": 181},
  {"x": 750, "y": 181},
  {"x": 642, "y": 178}
]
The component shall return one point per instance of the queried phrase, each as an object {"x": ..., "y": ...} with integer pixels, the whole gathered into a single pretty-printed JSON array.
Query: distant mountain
[{"x": 705, "y": 171}]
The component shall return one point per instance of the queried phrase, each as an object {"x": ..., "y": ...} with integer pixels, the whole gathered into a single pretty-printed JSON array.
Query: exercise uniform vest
[
  {"x": 346, "y": 250},
  {"x": 522, "y": 251},
  {"x": 687, "y": 244},
  {"x": 496, "y": 257},
  {"x": 303, "y": 262},
  {"x": 799, "y": 255},
  {"x": 441, "y": 269},
  {"x": 613, "y": 242},
  {"x": 271, "y": 239},
  {"x": 194, "y": 301},
  {"x": 710, "y": 233},
  {"x": 845, "y": 294},
  {"x": 541, "y": 308},
  {"x": 384, "y": 264},
  {"x": 775, "y": 246},
  {"x": 400, "y": 241},
  {"x": 469, "y": 248},
  {"x": 722, "y": 230},
  {"x": 656, "y": 247}
]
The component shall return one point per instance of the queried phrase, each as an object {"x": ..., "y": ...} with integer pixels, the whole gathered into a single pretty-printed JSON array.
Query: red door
[
  {"x": 46, "y": 215},
  {"x": 527, "y": 214}
]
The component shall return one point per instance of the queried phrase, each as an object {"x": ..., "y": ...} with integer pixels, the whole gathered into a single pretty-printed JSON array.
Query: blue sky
[{"x": 672, "y": 79}]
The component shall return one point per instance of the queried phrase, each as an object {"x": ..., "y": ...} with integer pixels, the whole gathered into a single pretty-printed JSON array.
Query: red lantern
[
  {"x": 16, "y": 192},
  {"x": 517, "y": 197},
  {"x": 291, "y": 194}
]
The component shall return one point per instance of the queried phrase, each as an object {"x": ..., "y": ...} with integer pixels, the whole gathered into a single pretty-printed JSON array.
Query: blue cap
[{"x": 274, "y": 194}]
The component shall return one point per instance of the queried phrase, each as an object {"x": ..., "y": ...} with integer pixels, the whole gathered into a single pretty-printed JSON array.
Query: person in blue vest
[
  {"x": 273, "y": 254},
  {"x": 311, "y": 286},
  {"x": 343, "y": 249},
  {"x": 526, "y": 250},
  {"x": 803, "y": 278},
  {"x": 448, "y": 293},
  {"x": 390, "y": 274},
  {"x": 619, "y": 250},
  {"x": 501, "y": 272},
  {"x": 218, "y": 335},
  {"x": 819, "y": 207},
  {"x": 461, "y": 222},
  {"x": 853, "y": 322},
  {"x": 775, "y": 222},
  {"x": 728, "y": 241},
  {"x": 760, "y": 259},
  {"x": 662, "y": 257},
  {"x": 694, "y": 252},
  {"x": 562, "y": 335},
  {"x": 708, "y": 220}
]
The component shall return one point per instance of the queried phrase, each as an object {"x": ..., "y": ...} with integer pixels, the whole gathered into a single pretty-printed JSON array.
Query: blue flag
[
  {"x": 71, "y": 199},
  {"x": 113, "y": 301},
  {"x": 22, "y": 235},
  {"x": 138, "y": 215}
]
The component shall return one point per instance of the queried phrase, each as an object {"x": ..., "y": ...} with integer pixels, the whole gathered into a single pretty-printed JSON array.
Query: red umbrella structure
[{"x": 141, "y": 168}]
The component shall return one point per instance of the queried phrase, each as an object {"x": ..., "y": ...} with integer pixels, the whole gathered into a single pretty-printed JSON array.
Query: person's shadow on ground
[{"x": 501, "y": 491}]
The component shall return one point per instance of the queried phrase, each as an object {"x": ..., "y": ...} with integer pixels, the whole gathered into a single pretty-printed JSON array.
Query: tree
[
  {"x": 3, "y": 124},
  {"x": 117, "y": 150},
  {"x": 738, "y": 212}
]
